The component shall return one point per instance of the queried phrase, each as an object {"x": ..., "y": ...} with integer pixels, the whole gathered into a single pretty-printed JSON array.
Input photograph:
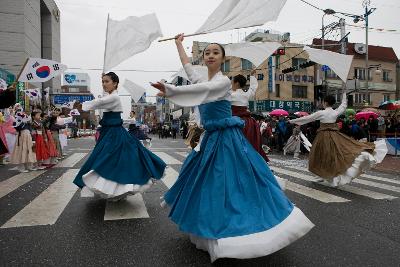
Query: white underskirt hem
[
  {"x": 362, "y": 163},
  {"x": 259, "y": 244},
  {"x": 95, "y": 184}
]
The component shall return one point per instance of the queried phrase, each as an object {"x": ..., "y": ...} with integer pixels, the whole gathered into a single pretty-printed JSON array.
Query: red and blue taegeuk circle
[{"x": 43, "y": 72}]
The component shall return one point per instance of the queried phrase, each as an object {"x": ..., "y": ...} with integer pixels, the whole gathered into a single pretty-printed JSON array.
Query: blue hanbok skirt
[{"x": 119, "y": 164}]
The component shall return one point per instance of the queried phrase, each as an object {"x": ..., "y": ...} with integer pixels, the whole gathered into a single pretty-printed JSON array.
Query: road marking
[
  {"x": 9, "y": 185},
  {"x": 48, "y": 206},
  {"x": 373, "y": 177},
  {"x": 346, "y": 188},
  {"x": 133, "y": 207},
  {"x": 167, "y": 158},
  {"x": 314, "y": 194},
  {"x": 380, "y": 179},
  {"x": 378, "y": 185},
  {"x": 365, "y": 192},
  {"x": 301, "y": 176},
  {"x": 170, "y": 177},
  {"x": 71, "y": 160},
  {"x": 183, "y": 154}
]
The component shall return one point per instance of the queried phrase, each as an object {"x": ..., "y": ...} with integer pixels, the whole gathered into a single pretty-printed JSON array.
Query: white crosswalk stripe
[
  {"x": 170, "y": 177},
  {"x": 346, "y": 188},
  {"x": 183, "y": 154},
  {"x": 133, "y": 207},
  {"x": 313, "y": 193},
  {"x": 71, "y": 160},
  {"x": 167, "y": 158},
  {"x": 48, "y": 206},
  {"x": 13, "y": 183}
]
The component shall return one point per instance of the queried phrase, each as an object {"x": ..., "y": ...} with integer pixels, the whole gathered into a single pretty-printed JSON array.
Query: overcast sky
[{"x": 83, "y": 26}]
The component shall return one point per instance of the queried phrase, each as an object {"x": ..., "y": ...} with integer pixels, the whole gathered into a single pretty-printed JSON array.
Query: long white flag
[
  {"x": 136, "y": 91},
  {"x": 235, "y": 14},
  {"x": 128, "y": 37},
  {"x": 339, "y": 63},
  {"x": 41, "y": 70},
  {"x": 256, "y": 53}
]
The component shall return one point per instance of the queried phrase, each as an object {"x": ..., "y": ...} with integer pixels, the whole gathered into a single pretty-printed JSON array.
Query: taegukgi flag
[{"x": 41, "y": 70}]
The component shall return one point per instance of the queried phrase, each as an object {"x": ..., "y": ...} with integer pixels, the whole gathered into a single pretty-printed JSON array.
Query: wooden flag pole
[
  {"x": 14, "y": 84},
  {"x": 188, "y": 35},
  {"x": 201, "y": 33}
]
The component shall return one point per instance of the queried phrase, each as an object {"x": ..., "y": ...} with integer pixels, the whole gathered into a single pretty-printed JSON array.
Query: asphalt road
[{"x": 45, "y": 222}]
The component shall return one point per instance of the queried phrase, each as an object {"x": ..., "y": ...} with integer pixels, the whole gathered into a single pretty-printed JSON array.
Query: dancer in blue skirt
[
  {"x": 119, "y": 164},
  {"x": 226, "y": 197}
]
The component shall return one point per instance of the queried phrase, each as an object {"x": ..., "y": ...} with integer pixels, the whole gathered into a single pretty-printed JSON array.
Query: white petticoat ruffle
[
  {"x": 259, "y": 244},
  {"x": 95, "y": 184},
  {"x": 362, "y": 163}
]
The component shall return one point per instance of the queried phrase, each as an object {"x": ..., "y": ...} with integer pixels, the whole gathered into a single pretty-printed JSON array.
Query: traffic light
[{"x": 279, "y": 52}]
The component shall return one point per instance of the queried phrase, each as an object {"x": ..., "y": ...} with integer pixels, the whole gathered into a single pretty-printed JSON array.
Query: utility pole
[
  {"x": 343, "y": 47},
  {"x": 368, "y": 12}
]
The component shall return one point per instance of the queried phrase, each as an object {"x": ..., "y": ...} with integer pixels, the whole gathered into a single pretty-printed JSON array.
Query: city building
[
  {"x": 29, "y": 29},
  {"x": 75, "y": 87},
  {"x": 382, "y": 74}
]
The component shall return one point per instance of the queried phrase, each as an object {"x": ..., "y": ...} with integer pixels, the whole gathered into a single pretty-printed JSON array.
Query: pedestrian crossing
[{"x": 47, "y": 207}]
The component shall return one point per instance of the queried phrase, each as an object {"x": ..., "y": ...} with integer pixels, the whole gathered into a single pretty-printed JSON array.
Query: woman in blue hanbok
[
  {"x": 226, "y": 197},
  {"x": 119, "y": 164}
]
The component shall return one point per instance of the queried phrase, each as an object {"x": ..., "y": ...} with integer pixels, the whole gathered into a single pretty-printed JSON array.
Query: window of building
[
  {"x": 359, "y": 74},
  {"x": 277, "y": 90},
  {"x": 246, "y": 65},
  {"x": 260, "y": 76},
  {"x": 73, "y": 90},
  {"x": 361, "y": 98},
  {"x": 226, "y": 66},
  {"x": 299, "y": 91},
  {"x": 386, "y": 76},
  {"x": 331, "y": 74},
  {"x": 277, "y": 61},
  {"x": 297, "y": 61},
  {"x": 386, "y": 97}
]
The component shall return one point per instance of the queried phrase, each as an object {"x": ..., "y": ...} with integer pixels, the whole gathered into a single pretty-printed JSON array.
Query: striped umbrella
[{"x": 389, "y": 105}]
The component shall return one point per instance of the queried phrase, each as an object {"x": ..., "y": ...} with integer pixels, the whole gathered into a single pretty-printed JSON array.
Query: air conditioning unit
[{"x": 360, "y": 49}]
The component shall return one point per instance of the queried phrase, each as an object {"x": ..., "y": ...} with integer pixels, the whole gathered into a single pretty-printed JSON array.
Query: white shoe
[{"x": 23, "y": 171}]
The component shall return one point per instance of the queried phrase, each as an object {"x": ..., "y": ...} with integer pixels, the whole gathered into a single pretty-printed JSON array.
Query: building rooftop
[{"x": 377, "y": 53}]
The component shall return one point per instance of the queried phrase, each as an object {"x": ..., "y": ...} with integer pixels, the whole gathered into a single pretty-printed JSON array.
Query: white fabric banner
[
  {"x": 256, "y": 53},
  {"x": 128, "y": 37},
  {"x": 136, "y": 91},
  {"x": 339, "y": 63},
  {"x": 41, "y": 70},
  {"x": 202, "y": 70},
  {"x": 235, "y": 14}
]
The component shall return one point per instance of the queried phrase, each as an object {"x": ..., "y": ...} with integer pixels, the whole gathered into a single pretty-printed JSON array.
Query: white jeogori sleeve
[
  {"x": 252, "y": 88},
  {"x": 105, "y": 102},
  {"x": 199, "y": 93},
  {"x": 193, "y": 75},
  {"x": 343, "y": 105},
  {"x": 307, "y": 119}
]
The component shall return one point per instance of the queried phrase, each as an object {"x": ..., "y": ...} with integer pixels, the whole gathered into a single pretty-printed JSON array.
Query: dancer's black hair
[{"x": 240, "y": 79}]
